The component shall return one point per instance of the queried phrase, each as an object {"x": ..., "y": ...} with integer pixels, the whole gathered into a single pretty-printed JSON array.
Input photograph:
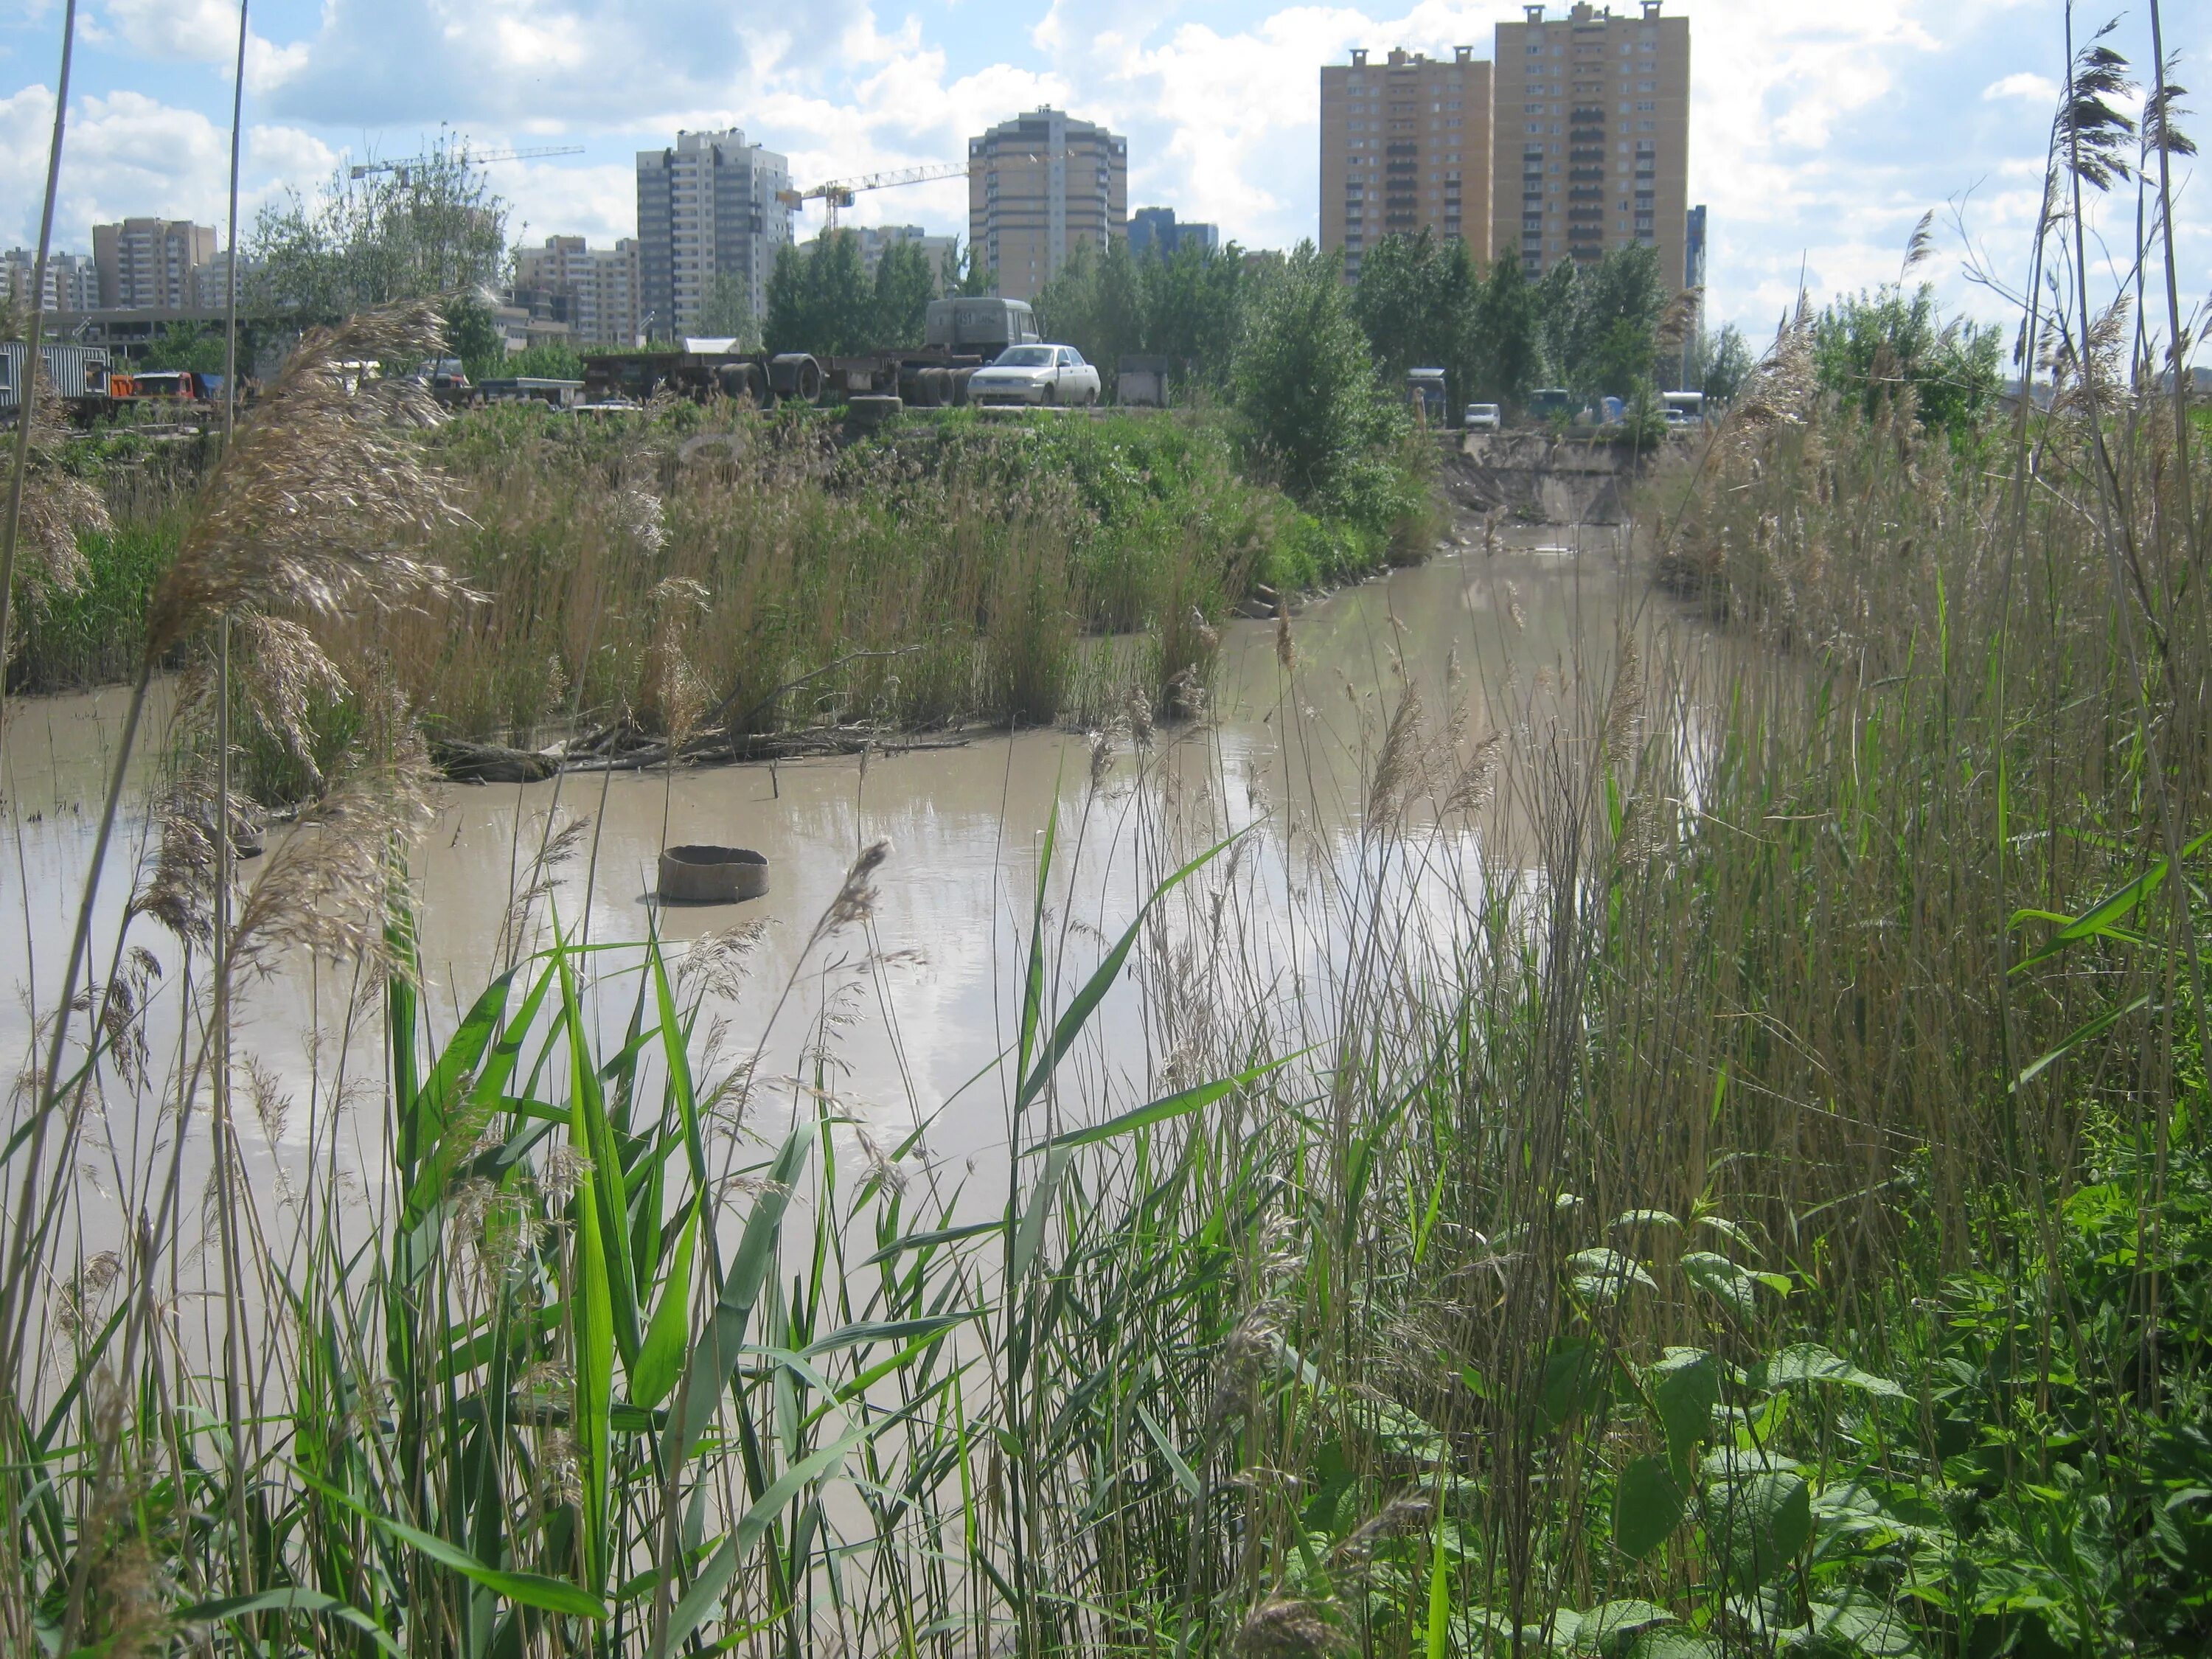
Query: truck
[
  {"x": 78, "y": 375},
  {"x": 959, "y": 336}
]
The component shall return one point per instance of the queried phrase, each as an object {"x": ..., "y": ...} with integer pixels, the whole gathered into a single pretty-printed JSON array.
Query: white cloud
[
  {"x": 2036, "y": 88},
  {"x": 197, "y": 32}
]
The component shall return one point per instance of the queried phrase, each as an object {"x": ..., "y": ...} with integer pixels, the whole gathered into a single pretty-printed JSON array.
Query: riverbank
[{"x": 656, "y": 577}]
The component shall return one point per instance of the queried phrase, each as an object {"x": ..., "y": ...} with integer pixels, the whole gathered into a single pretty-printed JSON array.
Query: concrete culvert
[{"x": 712, "y": 875}]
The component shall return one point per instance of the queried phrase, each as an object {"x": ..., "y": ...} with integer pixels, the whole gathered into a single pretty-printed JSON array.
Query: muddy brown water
[{"x": 902, "y": 1019}]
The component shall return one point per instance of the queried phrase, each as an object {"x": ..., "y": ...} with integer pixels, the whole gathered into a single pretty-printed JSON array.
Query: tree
[
  {"x": 181, "y": 345},
  {"x": 474, "y": 337},
  {"x": 963, "y": 274},
  {"x": 1723, "y": 365},
  {"x": 549, "y": 360},
  {"x": 728, "y": 313},
  {"x": 1307, "y": 389},
  {"x": 904, "y": 288},
  {"x": 1882, "y": 350},
  {"x": 820, "y": 300},
  {"x": 1193, "y": 305},
  {"x": 1605, "y": 332},
  {"x": 1504, "y": 346},
  {"x": 408, "y": 233},
  {"x": 1096, "y": 303}
]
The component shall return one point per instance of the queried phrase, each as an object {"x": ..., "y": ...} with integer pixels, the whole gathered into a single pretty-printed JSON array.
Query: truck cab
[{"x": 978, "y": 327}]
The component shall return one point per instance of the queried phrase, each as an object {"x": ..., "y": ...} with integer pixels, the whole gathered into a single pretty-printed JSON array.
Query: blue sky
[{"x": 1821, "y": 132}]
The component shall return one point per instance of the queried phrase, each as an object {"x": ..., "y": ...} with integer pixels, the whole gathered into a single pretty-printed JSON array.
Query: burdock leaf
[
  {"x": 1762, "y": 1521},
  {"x": 1647, "y": 1507},
  {"x": 1685, "y": 1386},
  {"x": 1723, "y": 1280},
  {"x": 1808, "y": 1362}
]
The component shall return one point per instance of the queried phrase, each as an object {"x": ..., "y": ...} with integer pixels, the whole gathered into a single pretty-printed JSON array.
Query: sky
[{"x": 1820, "y": 131}]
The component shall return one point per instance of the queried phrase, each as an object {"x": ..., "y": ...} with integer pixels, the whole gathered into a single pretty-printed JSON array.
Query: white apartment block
[
  {"x": 594, "y": 290},
  {"x": 708, "y": 208},
  {"x": 72, "y": 280},
  {"x": 148, "y": 264}
]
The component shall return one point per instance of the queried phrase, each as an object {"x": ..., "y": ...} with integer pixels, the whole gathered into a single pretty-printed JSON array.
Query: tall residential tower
[
  {"x": 148, "y": 264},
  {"x": 1404, "y": 147},
  {"x": 708, "y": 218},
  {"x": 1593, "y": 120},
  {"x": 1039, "y": 186}
]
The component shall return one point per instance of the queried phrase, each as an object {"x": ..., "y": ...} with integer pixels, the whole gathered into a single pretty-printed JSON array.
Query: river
[{"x": 907, "y": 1013}]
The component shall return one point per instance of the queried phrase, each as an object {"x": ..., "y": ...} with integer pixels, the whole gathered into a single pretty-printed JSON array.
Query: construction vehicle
[{"x": 959, "y": 336}]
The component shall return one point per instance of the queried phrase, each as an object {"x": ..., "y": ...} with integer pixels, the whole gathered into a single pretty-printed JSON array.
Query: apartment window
[
  {"x": 1644, "y": 85},
  {"x": 1647, "y": 69},
  {"x": 1646, "y": 105}
]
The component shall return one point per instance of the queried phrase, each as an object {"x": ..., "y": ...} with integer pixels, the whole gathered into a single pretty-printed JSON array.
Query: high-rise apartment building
[
  {"x": 592, "y": 289},
  {"x": 1157, "y": 230},
  {"x": 1592, "y": 119},
  {"x": 1404, "y": 147},
  {"x": 709, "y": 213},
  {"x": 211, "y": 282},
  {"x": 72, "y": 280},
  {"x": 1039, "y": 186},
  {"x": 149, "y": 264}
]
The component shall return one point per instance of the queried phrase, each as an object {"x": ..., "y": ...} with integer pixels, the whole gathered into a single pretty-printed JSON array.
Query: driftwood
[
  {"x": 490, "y": 762},
  {"x": 625, "y": 749}
]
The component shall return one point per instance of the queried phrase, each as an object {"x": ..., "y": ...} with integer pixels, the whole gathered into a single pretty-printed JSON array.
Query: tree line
[{"x": 1615, "y": 326}]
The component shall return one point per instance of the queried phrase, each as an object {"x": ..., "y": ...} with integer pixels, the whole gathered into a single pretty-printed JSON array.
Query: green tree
[
  {"x": 1882, "y": 349},
  {"x": 1723, "y": 365},
  {"x": 1194, "y": 306},
  {"x": 549, "y": 360},
  {"x": 1096, "y": 303},
  {"x": 182, "y": 345},
  {"x": 474, "y": 337},
  {"x": 728, "y": 313},
  {"x": 904, "y": 288},
  {"x": 820, "y": 300},
  {"x": 963, "y": 274},
  {"x": 1504, "y": 345},
  {"x": 1307, "y": 389},
  {"x": 1608, "y": 338},
  {"x": 407, "y": 234}
]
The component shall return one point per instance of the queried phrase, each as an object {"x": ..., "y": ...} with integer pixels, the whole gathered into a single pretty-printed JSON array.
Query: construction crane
[
  {"x": 839, "y": 192},
  {"x": 363, "y": 169}
]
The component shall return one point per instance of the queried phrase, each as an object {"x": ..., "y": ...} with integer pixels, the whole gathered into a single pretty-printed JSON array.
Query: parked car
[
  {"x": 1482, "y": 417},
  {"x": 1035, "y": 375}
]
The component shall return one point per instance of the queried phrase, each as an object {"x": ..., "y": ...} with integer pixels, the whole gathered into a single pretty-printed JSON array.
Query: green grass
[{"x": 89, "y": 636}]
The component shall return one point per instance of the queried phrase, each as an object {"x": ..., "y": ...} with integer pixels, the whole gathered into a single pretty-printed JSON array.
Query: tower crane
[
  {"x": 363, "y": 169},
  {"x": 839, "y": 192}
]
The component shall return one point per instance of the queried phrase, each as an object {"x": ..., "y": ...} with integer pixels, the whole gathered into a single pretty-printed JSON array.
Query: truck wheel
[{"x": 795, "y": 374}]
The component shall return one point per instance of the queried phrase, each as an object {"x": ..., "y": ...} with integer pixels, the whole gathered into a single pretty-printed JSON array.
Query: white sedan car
[{"x": 1035, "y": 375}]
